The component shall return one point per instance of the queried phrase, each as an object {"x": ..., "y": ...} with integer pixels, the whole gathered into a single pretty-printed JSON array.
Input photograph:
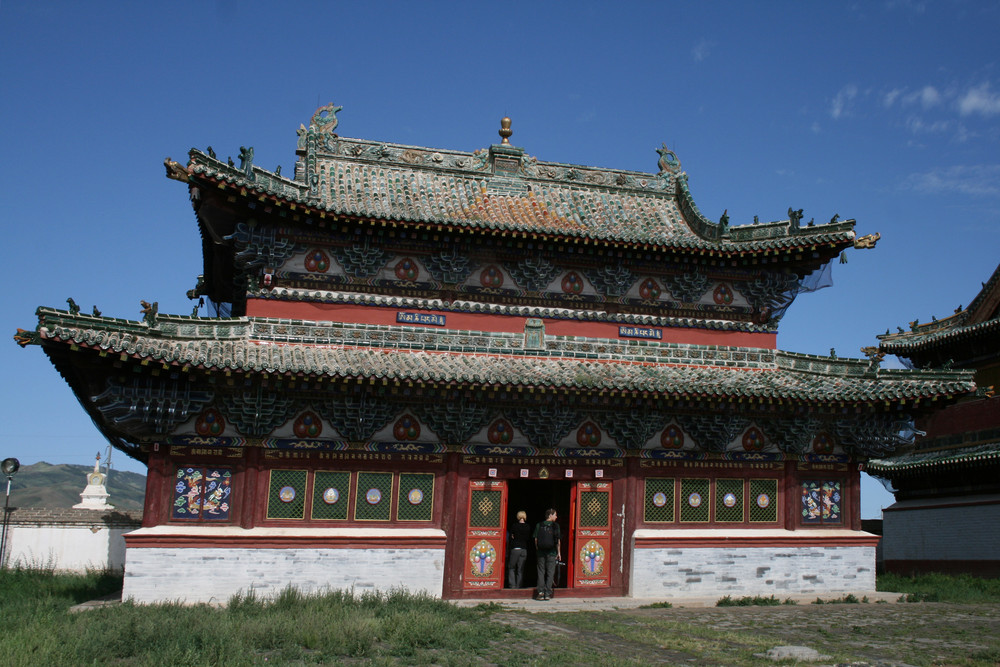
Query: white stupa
[{"x": 95, "y": 496}]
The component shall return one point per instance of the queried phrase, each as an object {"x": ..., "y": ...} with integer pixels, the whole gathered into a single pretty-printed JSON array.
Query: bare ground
[{"x": 884, "y": 635}]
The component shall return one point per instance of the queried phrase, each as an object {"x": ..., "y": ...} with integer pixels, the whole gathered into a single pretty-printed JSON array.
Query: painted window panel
[
  {"x": 658, "y": 505},
  {"x": 331, "y": 495},
  {"x": 286, "y": 494},
  {"x": 695, "y": 500},
  {"x": 594, "y": 509},
  {"x": 822, "y": 502},
  {"x": 484, "y": 508},
  {"x": 729, "y": 500},
  {"x": 416, "y": 497},
  {"x": 202, "y": 494},
  {"x": 763, "y": 501},
  {"x": 374, "y": 497}
]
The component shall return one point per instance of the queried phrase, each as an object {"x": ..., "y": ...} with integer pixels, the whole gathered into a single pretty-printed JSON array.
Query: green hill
[{"x": 59, "y": 486}]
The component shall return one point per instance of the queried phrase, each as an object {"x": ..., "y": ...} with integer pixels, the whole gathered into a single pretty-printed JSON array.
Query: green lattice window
[
  {"x": 822, "y": 502},
  {"x": 594, "y": 509},
  {"x": 729, "y": 500},
  {"x": 659, "y": 501},
  {"x": 484, "y": 509},
  {"x": 374, "y": 497},
  {"x": 331, "y": 495},
  {"x": 763, "y": 500},
  {"x": 695, "y": 500},
  {"x": 416, "y": 496},
  {"x": 286, "y": 495}
]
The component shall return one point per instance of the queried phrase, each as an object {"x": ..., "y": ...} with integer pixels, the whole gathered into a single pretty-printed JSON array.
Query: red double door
[{"x": 592, "y": 558}]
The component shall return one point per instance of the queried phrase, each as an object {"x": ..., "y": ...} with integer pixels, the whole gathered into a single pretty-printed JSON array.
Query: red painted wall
[{"x": 330, "y": 312}]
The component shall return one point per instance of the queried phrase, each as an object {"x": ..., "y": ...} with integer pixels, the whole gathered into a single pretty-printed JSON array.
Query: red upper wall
[{"x": 328, "y": 312}]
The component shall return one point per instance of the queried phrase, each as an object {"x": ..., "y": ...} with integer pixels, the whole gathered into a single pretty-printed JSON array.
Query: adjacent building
[{"x": 948, "y": 489}]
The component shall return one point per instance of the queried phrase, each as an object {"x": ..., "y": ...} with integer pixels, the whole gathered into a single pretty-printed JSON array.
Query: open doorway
[{"x": 534, "y": 496}]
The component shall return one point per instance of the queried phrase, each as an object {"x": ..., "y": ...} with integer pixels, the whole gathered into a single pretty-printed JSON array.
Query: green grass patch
[
  {"x": 748, "y": 601},
  {"x": 961, "y": 589},
  {"x": 389, "y": 628}
]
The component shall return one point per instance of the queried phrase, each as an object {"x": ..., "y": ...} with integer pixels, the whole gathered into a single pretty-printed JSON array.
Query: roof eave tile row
[
  {"x": 780, "y": 381},
  {"x": 916, "y": 461},
  {"x": 912, "y": 341}
]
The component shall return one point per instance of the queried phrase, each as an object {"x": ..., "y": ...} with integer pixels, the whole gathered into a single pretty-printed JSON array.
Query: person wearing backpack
[{"x": 548, "y": 542}]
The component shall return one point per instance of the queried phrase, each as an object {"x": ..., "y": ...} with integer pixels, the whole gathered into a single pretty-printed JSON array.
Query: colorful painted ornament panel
[
  {"x": 588, "y": 435},
  {"x": 202, "y": 493},
  {"x": 821, "y": 502},
  {"x": 406, "y": 428},
  {"x": 650, "y": 290},
  {"x": 317, "y": 261},
  {"x": 592, "y": 557},
  {"x": 572, "y": 283},
  {"x": 823, "y": 444},
  {"x": 407, "y": 269},
  {"x": 672, "y": 437},
  {"x": 491, "y": 277},
  {"x": 308, "y": 425},
  {"x": 723, "y": 295},
  {"x": 500, "y": 432},
  {"x": 753, "y": 440},
  {"x": 210, "y": 423},
  {"x": 483, "y": 559}
]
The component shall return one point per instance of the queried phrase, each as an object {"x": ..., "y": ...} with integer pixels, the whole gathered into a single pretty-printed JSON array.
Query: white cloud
[
  {"x": 916, "y": 125},
  {"x": 702, "y": 50},
  {"x": 982, "y": 180},
  {"x": 979, "y": 100},
  {"x": 929, "y": 97},
  {"x": 842, "y": 99},
  {"x": 890, "y": 98}
]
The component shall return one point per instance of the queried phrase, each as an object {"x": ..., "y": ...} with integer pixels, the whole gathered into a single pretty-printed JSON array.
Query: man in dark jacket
[{"x": 548, "y": 543}]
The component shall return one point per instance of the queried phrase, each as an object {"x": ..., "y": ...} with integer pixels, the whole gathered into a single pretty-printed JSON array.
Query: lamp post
[{"x": 9, "y": 467}]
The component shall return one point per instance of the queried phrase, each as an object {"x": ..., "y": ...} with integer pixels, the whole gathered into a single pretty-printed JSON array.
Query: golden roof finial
[{"x": 505, "y": 130}]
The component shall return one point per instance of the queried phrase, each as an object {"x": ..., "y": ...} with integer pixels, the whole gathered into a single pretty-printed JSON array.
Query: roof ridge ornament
[
  {"x": 668, "y": 162},
  {"x": 325, "y": 119},
  {"x": 505, "y": 131}
]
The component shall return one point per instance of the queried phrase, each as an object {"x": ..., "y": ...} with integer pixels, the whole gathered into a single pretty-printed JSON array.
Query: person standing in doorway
[
  {"x": 548, "y": 542},
  {"x": 519, "y": 535}
]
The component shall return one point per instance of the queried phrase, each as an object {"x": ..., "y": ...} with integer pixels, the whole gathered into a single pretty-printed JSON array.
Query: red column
[
  {"x": 156, "y": 471},
  {"x": 249, "y": 482},
  {"x": 790, "y": 484}
]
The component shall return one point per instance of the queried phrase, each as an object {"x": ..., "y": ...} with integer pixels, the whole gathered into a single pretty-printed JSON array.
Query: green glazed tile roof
[
  {"x": 411, "y": 184},
  {"x": 981, "y": 317},
  {"x": 916, "y": 461},
  {"x": 292, "y": 347}
]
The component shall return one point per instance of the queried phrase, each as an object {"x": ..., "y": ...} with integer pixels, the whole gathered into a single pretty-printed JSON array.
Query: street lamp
[{"x": 9, "y": 467}]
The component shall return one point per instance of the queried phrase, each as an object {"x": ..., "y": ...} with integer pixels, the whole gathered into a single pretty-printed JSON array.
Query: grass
[
  {"x": 399, "y": 628},
  {"x": 959, "y": 589},
  {"x": 391, "y": 628},
  {"x": 755, "y": 601}
]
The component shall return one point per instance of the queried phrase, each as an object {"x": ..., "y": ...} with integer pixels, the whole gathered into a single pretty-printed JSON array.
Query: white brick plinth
[
  {"x": 778, "y": 563},
  {"x": 192, "y": 573}
]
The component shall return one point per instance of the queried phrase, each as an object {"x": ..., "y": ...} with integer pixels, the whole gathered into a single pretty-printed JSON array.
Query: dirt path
[{"x": 887, "y": 635}]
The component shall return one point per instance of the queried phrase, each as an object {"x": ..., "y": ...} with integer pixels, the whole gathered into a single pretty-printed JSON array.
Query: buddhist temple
[
  {"x": 947, "y": 489},
  {"x": 402, "y": 347}
]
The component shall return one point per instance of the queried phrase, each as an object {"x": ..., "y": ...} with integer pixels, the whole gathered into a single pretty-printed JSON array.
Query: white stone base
[
  {"x": 213, "y": 575},
  {"x": 740, "y": 571}
]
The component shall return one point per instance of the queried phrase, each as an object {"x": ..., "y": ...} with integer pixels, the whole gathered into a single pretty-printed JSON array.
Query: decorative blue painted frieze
[
  {"x": 430, "y": 319},
  {"x": 640, "y": 332}
]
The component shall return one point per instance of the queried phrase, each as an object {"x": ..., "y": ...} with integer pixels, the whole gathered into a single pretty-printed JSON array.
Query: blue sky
[{"x": 887, "y": 112}]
